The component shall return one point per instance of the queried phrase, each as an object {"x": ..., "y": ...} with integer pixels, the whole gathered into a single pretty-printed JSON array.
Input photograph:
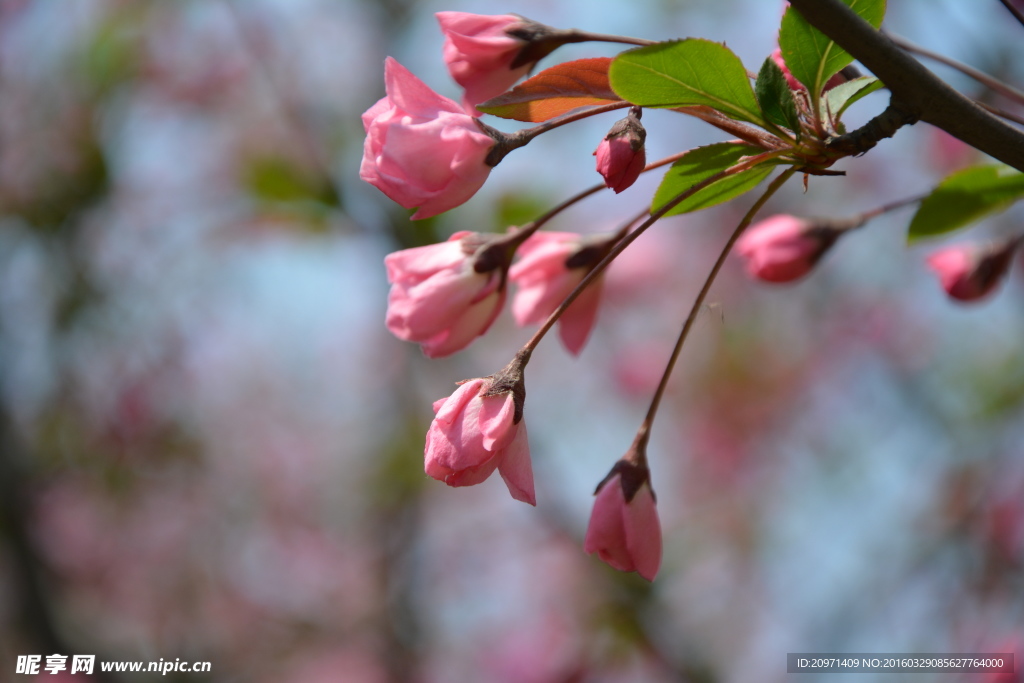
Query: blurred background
[{"x": 211, "y": 448}]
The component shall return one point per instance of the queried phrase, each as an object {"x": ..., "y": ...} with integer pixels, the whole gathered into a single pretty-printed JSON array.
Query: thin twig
[
  {"x": 1002, "y": 113},
  {"x": 628, "y": 239},
  {"x": 534, "y": 225},
  {"x": 990, "y": 82},
  {"x": 645, "y": 427}
]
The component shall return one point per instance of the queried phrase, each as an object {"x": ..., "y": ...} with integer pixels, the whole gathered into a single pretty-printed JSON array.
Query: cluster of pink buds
[
  {"x": 786, "y": 248},
  {"x": 430, "y": 153}
]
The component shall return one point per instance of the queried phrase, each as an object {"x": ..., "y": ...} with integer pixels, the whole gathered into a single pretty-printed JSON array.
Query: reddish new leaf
[{"x": 555, "y": 91}]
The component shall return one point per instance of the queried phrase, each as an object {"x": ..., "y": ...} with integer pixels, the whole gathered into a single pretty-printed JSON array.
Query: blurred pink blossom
[
  {"x": 969, "y": 272},
  {"x": 783, "y": 248},
  {"x": 545, "y": 277}
]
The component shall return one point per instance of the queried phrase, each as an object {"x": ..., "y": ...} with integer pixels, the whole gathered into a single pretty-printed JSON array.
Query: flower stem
[
  {"x": 537, "y": 223},
  {"x": 891, "y": 206},
  {"x": 507, "y": 142},
  {"x": 749, "y": 134},
  {"x": 643, "y": 433},
  {"x": 744, "y": 165},
  {"x": 575, "y": 35}
]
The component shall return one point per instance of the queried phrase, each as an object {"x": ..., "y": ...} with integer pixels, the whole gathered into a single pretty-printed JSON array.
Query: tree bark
[{"x": 914, "y": 87}]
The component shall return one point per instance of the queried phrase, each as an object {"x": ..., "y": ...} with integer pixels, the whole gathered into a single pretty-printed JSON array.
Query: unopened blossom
[
  {"x": 784, "y": 248},
  {"x": 438, "y": 297},
  {"x": 474, "y": 432},
  {"x": 550, "y": 266},
  {"x": 969, "y": 272},
  {"x": 621, "y": 156},
  {"x": 480, "y": 51},
  {"x": 624, "y": 529},
  {"x": 422, "y": 149}
]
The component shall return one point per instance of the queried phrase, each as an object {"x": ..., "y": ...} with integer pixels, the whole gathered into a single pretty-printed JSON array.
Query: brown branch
[
  {"x": 1018, "y": 15},
  {"x": 870, "y": 134},
  {"x": 916, "y": 89}
]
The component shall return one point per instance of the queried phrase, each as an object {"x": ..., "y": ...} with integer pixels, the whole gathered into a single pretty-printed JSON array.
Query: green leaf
[
  {"x": 686, "y": 73},
  {"x": 812, "y": 57},
  {"x": 704, "y": 162},
  {"x": 965, "y": 197},
  {"x": 839, "y": 98},
  {"x": 775, "y": 97}
]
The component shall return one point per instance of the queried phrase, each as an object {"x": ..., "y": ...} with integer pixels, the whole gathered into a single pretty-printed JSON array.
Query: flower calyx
[
  {"x": 511, "y": 379},
  {"x": 593, "y": 250},
  {"x": 541, "y": 40},
  {"x": 633, "y": 473}
]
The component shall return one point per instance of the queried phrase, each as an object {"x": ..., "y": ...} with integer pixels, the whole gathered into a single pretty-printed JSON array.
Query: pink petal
[
  {"x": 643, "y": 533},
  {"x": 470, "y": 476},
  {"x": 496, "y": 425},
  {"x": 435, "y": 304},
  {"x": 578, "y": 320},
  {"x": 533, "y": 303},
  {"x": 542, "y": 279},
  {"x": 417, "y": 264},
  {"x": 455, "y": 404},
  {"x": 516, "y": 469},
  {"x": 473, "y": 323},
  {"x": 413, "y": 95},
  {"x": 380, "y": 107},
  {"x": 606, "y": 534},
  {"x": 548, "y": 239}
]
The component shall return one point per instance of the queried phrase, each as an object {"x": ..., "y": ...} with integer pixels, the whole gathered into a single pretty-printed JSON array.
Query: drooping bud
[
  {"x": 624, "y": 528},
  {"x": 480, "y": 429},
  {"x": 785, "y": 248},
  {"x": 620, "y": 156},
  {"x": 969, "y": 272}
]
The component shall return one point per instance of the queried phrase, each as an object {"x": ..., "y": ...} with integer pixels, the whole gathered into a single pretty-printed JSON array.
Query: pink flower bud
[
  {"x": 479, "y": 53},
  {"x": 621, "y": 156},
  {"x": 624, "y": 529},
  {"x": 969, "y": 272},
  {"x": 784, "y": 248},
  {"x": 546, "y": 273},
  {"x": 422, "y": 150},
  {"x": 474, "y": 433},
  {"x": 438, "y": 299}
]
